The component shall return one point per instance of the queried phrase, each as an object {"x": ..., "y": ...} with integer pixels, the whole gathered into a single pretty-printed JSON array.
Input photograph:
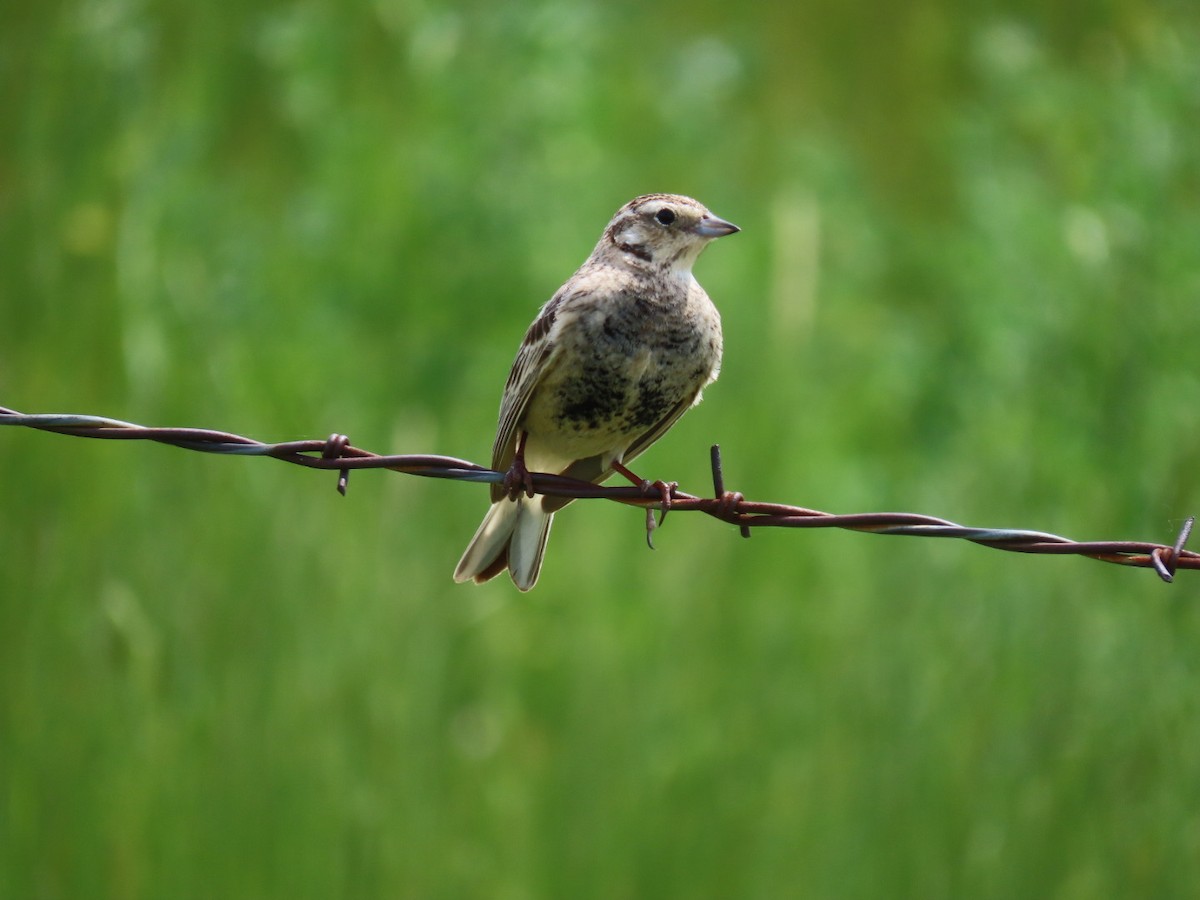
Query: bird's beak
[{"x": 712, "y": 227}]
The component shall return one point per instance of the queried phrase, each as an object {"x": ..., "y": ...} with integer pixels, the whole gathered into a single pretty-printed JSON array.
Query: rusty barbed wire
[{"x": 337, "y": 454}]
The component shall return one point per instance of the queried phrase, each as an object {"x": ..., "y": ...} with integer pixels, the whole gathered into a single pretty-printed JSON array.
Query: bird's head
[{"x": 662, "y": 231}]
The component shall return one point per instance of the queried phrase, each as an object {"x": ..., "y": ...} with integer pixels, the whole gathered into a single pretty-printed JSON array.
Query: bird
[{"x": 614, "y": 358}]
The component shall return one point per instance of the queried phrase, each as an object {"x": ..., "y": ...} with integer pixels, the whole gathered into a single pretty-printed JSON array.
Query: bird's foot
[
  {"x": 517, "y": 480},
  {"x": 518, "y": 477},
  {"x": 664, "y": 490}
]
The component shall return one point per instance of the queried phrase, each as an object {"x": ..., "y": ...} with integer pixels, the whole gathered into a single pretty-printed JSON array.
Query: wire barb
[
  {"x": 338, "y": 454},
  {"x": 334, "y": 448},
  {"x": 1166, "y": 558},
  {"x": 728, "y": 500}
]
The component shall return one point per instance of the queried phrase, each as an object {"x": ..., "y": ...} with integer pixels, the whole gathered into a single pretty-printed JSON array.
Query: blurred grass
[{"x": 967, "y": 285}]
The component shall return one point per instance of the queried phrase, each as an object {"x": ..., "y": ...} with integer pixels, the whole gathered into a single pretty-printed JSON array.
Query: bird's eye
[{"x": 665, "y": 216}]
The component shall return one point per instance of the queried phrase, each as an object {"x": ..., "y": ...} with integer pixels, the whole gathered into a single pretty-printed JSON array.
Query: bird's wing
[
  {"x": 659, "y": 428},
  {"x": 529, "y": 368}
]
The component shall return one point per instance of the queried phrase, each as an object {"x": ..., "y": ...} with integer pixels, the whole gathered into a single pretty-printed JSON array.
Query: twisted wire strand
[{"x": 336, "y": 453}]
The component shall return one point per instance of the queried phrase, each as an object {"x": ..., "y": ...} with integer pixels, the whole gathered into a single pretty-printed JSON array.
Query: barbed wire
[{"x": 336, "y": 453}]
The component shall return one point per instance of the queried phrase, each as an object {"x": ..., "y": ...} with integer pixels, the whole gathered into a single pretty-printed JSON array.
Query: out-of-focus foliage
[{"x": 967, "y": 285}]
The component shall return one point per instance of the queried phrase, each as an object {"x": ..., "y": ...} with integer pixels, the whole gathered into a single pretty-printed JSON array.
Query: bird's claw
[
  {"x": 665, "y": 490},
  {"x": 517, "y": 479}
]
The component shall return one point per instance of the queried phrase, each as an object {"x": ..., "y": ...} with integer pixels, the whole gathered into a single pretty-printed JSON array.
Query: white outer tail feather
[{"x": 521, "y": 525}]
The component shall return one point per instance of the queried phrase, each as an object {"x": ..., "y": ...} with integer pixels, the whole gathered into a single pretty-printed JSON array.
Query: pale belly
[{"x": 609, "y": 400}]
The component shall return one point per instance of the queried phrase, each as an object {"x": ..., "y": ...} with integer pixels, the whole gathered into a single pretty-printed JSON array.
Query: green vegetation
[{"x": 967, "y": 285}]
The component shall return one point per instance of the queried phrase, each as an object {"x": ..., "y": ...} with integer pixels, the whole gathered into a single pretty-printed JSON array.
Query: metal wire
[{"x": 336, "y": 453}]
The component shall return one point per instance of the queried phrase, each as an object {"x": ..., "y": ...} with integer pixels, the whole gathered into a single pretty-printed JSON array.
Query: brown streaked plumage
[{"x": 611, "y": 362}]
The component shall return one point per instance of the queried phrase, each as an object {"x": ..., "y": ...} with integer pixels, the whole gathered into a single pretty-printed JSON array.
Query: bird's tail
[{"x": 512, "y": 535}]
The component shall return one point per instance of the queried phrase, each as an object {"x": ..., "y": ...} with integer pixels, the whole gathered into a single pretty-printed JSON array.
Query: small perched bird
[{"x": 611, "y": 362}]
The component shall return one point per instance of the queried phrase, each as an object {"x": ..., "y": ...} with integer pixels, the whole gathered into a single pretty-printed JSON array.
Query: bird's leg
[
  {"x": 517, "y": 478},
  {"x": 664, "y": 489}
]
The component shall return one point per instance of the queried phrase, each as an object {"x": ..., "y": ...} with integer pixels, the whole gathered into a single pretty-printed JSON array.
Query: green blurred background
[{"x": 967, "y": 285}]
